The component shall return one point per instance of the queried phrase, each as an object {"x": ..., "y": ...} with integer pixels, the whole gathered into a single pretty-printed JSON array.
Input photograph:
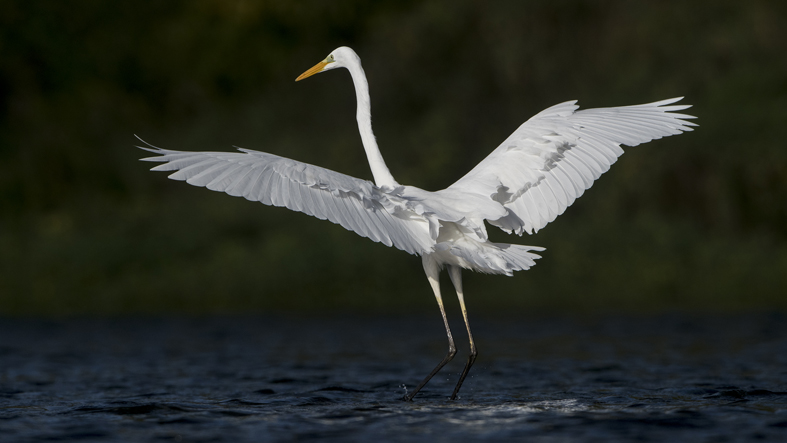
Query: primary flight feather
[{"x": 525, "y": 183}]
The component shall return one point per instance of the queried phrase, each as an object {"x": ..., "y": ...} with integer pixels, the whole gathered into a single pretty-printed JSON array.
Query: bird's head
[{"x": 341, "y": 57}]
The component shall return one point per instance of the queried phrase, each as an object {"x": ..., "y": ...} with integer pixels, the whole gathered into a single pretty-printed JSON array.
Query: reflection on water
[{"x": 616, "y": 378}]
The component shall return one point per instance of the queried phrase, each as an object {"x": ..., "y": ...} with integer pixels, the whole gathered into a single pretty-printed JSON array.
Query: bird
[{"x": 521, "y": 186}]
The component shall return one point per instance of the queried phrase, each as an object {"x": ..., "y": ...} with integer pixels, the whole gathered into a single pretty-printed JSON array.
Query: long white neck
[{"x": 382, "y": 176}]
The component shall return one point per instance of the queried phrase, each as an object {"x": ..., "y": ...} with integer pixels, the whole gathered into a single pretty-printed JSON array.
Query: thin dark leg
[
  {"x": 456, "y": 279},
  {"x": 433, "y": 273}
]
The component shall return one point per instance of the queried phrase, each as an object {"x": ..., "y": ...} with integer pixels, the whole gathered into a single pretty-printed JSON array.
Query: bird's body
[{"x": 530, "y": 179}]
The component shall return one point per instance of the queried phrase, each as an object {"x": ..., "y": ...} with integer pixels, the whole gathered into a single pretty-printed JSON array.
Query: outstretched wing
[
  {"x": 549, "y": 161},
  {"x": 355, "y": 204}
]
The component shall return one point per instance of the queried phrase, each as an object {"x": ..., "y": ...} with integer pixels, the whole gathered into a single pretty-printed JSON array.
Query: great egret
[{"x": 530, "y": 179}]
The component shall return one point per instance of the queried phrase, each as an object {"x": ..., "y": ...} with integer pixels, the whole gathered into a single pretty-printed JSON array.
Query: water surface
[{"x": 693, "y": 378}]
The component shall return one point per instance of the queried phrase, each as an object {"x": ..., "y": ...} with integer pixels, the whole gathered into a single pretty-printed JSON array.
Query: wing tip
[{"x": 150, "y": 148}]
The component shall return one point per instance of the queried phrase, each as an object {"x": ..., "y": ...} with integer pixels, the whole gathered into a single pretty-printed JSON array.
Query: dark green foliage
[{"x": 695, "y": 221}]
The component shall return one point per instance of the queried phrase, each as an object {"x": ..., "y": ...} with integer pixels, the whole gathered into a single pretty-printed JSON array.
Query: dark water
[{"x": 560, "y": 379}]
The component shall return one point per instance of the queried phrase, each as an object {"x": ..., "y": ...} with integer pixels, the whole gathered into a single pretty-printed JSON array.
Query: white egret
[{"x": 527, "y": 181}]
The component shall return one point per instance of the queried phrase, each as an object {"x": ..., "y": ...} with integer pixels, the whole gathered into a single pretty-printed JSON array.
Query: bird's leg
[
  {"x": 433, "y": 274},
  {"x": 456, "y": 278}
]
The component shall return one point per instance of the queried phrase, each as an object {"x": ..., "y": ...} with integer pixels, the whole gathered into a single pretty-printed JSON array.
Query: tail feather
[
  {"x": 497, "y": 258},
  {"x": 518, "y": 257}
]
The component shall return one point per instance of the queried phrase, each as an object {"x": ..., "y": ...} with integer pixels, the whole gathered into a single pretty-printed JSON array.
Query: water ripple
[{"x": 249, "y": 379}]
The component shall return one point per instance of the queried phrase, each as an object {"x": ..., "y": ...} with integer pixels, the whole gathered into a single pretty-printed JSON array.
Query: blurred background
[{"x": 693, "y": 222}]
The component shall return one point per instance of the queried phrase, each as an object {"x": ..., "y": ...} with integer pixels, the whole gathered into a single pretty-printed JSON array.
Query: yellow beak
[{"x": 313, "y": 70}]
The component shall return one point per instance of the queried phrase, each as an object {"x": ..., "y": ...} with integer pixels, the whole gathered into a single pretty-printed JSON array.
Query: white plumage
[
  {"x": 525, "y": 183},
  {"x": 549, "y": 161}
]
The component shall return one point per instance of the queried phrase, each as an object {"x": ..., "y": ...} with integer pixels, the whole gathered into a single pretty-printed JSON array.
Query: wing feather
[
  {"x": 355, "y": 204},
  {"x": 551, "y": 159},
  {"x": 239, "y": 181},
  {"x": 565, "y": 184},
  {"x": 557, "y": 190},
  {"x": 316, "y": 208},
  {"x": 252, "y": 180},
  {"x": 576, "y": 179},
  {"x": 209, "y": 174},
  {"x": 266, "y": 186},
  {"x": 224, "y": 179}
]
